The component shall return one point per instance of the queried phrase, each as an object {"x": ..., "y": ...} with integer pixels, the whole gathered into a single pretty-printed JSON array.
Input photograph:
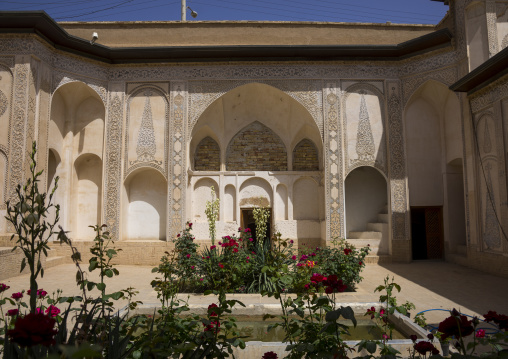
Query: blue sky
[{"x": 396, "y": 11}]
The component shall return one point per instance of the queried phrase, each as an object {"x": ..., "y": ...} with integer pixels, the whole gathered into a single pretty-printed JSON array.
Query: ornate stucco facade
[{"x": 342, "y": 130}]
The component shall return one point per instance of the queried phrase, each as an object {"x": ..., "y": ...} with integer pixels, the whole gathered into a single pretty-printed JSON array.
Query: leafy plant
[
  {"x": 28, "y": 214},
  {"x": 261, "y": 216},
  {"x": 212, "y": 213}
]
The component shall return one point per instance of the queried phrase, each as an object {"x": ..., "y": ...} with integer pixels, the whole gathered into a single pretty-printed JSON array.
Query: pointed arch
[
  {"x": 305, "y": 156},
  {"x": 256, "y": 148},
  {"x": 207, "y": 155}
]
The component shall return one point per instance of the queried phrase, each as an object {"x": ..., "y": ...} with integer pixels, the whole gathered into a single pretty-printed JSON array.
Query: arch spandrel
[{"x": 308, "y": 93}]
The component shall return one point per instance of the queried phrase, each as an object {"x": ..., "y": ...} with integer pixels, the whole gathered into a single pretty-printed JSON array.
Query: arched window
[{"x": 305, "y": 156}]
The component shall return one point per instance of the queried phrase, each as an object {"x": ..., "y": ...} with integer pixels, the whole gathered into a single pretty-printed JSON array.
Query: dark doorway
[
  {"x": 427, "y": 232},
  {"x": 247, "y": 221}
]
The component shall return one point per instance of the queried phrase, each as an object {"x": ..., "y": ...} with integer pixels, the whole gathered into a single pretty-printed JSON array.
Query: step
[
  {"x": 55, "y": 261},
  {"x": 380, "y": 259},
  {"x": 377, "y": 227},
  {"x": 365, "y": 235},
  {"x": 383, "y": 217}
]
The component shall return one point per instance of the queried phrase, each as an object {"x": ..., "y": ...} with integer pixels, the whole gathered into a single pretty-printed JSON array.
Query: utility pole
[{"x": 184, "y": 10}]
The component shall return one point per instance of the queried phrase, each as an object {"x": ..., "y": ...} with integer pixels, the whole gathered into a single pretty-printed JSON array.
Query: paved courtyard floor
[{"x": 428, "y": 284}]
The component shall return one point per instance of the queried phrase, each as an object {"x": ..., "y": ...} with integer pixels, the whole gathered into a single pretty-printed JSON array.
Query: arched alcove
[
  {"x": 256, "y": 148},
  {"x": 255, "y": 192},
  {"x": 207, "y": 155},
  {"x": 281, "y": 203},
  {"x": 305, "y": 156},
  {"x": 229, "y": 203},
  {"x": 424, "y": 146},
  {"x": 76, "y": 129},
  {"x": 203, "y": 193},
  {"x": 87, "y": 195},
  {"x": 54, "y": 162},
  {"x": 144, "y": 205},
  {"x": 366, "y": 197}
]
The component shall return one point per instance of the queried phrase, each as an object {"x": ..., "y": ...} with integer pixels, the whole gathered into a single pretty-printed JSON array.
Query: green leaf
[
  {"x": 101, "y": 286},
  {"x": 348, "y": 313},
  {"x": 108, "y": 273},
  {"x": 23, "y": 265},
  {"x": 333, "y": 315},
  {"x": 371, "y": 347}
]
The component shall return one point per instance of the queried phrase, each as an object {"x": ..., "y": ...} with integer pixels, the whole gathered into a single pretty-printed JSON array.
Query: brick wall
[
  {"x": 256, "y": 148},
  {"x": 207, "y": 156},
  {"x": 305, "y": 156}
]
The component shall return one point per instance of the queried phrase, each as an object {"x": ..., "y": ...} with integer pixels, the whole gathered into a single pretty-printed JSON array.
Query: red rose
[
  {"x": 413, "y": 338},
  {"x": 221, "y": 265},
  {"x": 33, "y": 329},
  {"x": 270, "y": 355},
  {"x": 500, "y": 319},
  {"x": 210, "y": 309},
  {"x": 12, "y": 312},
  {"x": 425, "y": 347},
  {"x": 455, "y": 326},
  {"x": 347, "y": 251}
]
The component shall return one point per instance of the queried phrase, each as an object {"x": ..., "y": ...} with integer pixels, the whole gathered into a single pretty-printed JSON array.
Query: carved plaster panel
[
  {"x": 143, "y": 143},
  {"x": 306, "y": 92},
  {"x": 176, "y": 161},
  {"x": 398, "y": 171},
  {"x": 113, "y": 164},
  {"x": 43, "y": 119},
  {"x": 448, "y": 76},
  {"x": 61, "y": 78},
  {"x": 364, "y": 127},
  {"x": 334, "y": 181},
  {"x": 485, "y": 98},
  {"x": 17, "y": 141},
  {"x": 492, "y": 27}
]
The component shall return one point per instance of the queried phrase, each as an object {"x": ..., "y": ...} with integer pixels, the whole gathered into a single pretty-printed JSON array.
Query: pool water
[{"x": 255, "y": 329}]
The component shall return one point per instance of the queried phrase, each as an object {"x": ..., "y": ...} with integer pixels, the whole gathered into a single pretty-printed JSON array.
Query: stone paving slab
[{"x": 428, "y": 284}]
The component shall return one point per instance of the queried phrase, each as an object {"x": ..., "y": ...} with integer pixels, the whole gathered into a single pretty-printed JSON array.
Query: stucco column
[
  {"x": 334, "y": 184},
  {"x": 22, "y": 126},
  {"x": 43, "y": 122},
  {"x": 113, "y": 163},
  {"x": 401, "y": 244},
  {"x": 177, "y": 167}
]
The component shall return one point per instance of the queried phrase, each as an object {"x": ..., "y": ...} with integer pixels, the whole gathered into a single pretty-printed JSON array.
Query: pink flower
[
  {"x": 213, "y": 247},
  {"x": 190, "y": 225},
  {"x": 221, "y": 265},
  {"x": 192, "y": 267},
  {"x": 52, "y": 311},
  {"x": 291, "y": 241},
  {"x": 246, "y": 261},
  {"x": 207, "y": 257},
  {"x": 248, "y": 257},
  {"x": 188, "y": 255},
  {"x": 211, "y": 308},
  {"x": 250, "y": 239},
  {"x": 12, "y": 312},
  {"x": 200, "y": 279},
  {"x": 17, "y": 296},
  {"x": 3, "y": 287},
  {"x": 293, "y": 258},
  {"x": 178, "y": 235},
  {"x": 253, "y": 252},
  {"x": 239, "y": 229},
  {"x": 480, "y": 333},
  {"x": 385, "y": 336},
  {"x": 360, "y": 263}
]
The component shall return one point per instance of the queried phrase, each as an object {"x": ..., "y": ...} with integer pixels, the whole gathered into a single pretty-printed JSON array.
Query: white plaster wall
[
  {"x": 456, "y": 221},
  {"x": 423, "y": 154},
  {"x": 366, "y": 195},
  {"x": 281, "y": 203},
  {"x": 145, "y": 219},
  {"x": 305, "y": 199},
  {"x": 3, "y": 221},
  {"x": 294, "y": 229},
  {"x": 56, "y": 130},
  {"x": 203, "y": 193},
  {"x": 476, "y": 33},
  {"x": 229, "y": 204},
  {"x": 89, "y": 194},
  {"x": 201, "y": 232},
  {"x": 453, "y": 127}
]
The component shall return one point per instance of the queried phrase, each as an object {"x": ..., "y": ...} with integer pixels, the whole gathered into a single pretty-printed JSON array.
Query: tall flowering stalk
[
  {"x": 212, "y": 214},
  {"x": 261, "y": 216},
  {"x": 27, "y": 212}
]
